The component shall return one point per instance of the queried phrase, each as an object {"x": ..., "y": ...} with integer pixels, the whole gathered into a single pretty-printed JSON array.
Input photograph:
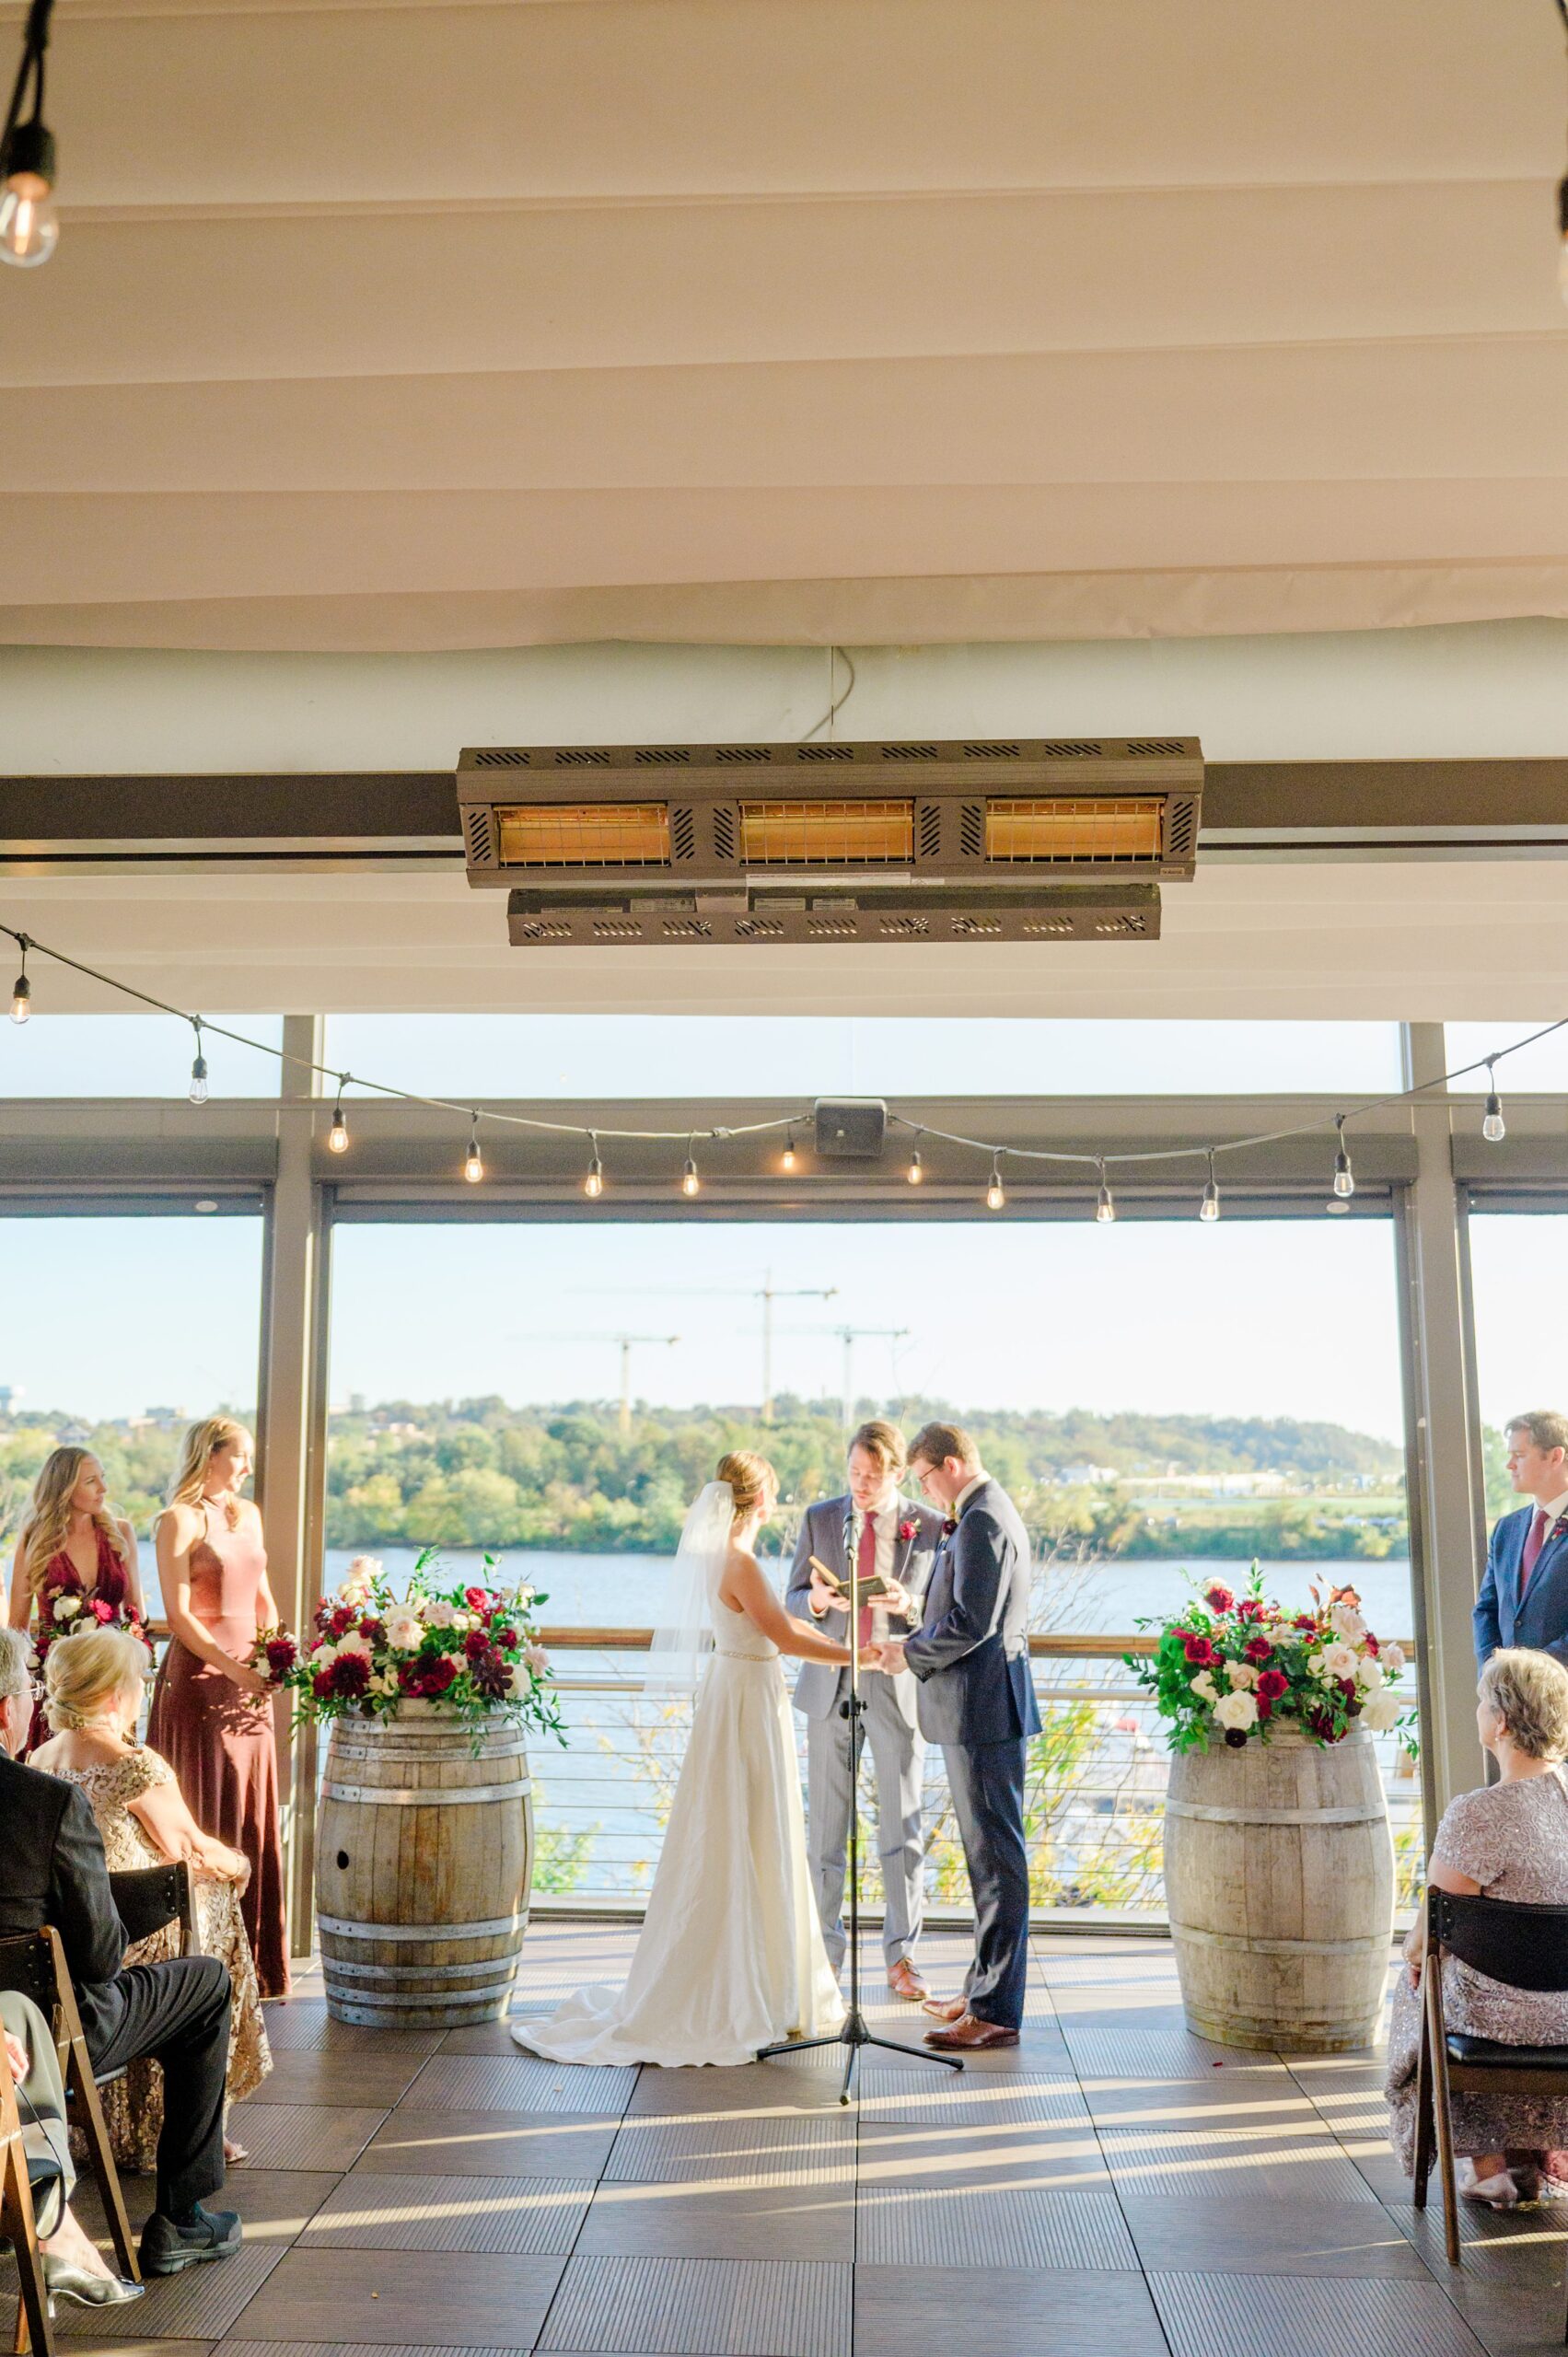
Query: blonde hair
[
  {"x": 49, "y": 1513},
  {"x": 1529, "y": 1692},
  {"x": 748, "y": 1475},
  {"x": 195, "y": 1456},
  {"x": 85, "y": 1672}
]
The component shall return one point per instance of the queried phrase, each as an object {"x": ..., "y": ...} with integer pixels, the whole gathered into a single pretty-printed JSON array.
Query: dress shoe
[
  {"x": 905, "y": 1982},
  {"x": 947, "y": 2009},
  {"x": 64, "y": 2281},
  {"x": 169, "y": 2250},
  {"x": 969, "y": 2035}
]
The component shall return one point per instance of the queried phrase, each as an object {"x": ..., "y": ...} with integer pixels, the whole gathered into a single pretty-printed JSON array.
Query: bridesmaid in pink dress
[
  {"x": 212, "y": 1714},
  {"x": 76, "y": 1562}
]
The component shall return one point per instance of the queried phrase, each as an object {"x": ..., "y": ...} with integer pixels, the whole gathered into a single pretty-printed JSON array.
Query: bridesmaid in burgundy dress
[
  {"x": 76, "y": 1562},
  {"x": 212, "y": 1713}
]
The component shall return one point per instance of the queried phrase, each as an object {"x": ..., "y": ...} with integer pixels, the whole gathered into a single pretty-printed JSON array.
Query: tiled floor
[{"x": 1114, "y": 2184}]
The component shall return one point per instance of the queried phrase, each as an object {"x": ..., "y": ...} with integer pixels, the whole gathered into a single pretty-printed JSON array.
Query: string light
[
  {"x": 593, "y": 1185},
  {"x": 1209, "y": 1209},
  {"x": 689, "y": 1183},
  {"x": 28, "y": 230},
  {"x": 915, "y": 1173},
  {"x": 198, "y": 1091},
  {"x": 994, "y": 1196},
  {"x": 21, "y": 989},
  {"x": 1345, "y": 1177},
  {"x": 337, "y": 1137},
  {"x": 473, "y": 1162},
  {"x": 1105, "y": 1210},
  {"x": 1493, "y": 1128},
  {"x": 786, "y": 1159}
]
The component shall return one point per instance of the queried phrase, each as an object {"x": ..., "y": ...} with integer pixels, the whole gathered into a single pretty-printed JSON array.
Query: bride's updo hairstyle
[{"x": 749, "y": 1476}]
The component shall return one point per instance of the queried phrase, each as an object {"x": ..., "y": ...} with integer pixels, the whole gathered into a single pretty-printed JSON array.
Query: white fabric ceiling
[{"x": 412, "y": 326}]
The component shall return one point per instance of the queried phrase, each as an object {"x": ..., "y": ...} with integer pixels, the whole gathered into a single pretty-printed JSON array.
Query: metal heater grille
[
  {"x": 825, "y": 834},
  {"x": 1102, "y": 832},
  {"x": 585, "y": 834}
]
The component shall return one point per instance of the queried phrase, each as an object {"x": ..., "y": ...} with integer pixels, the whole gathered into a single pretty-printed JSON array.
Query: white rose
[
  {"x": 1347, "y": 1623},
  {"x": 1393, "y": 1659},
  {"x": 462, "y": 1622},
  {"x": 522, "y": 1681},
  {"x": 1243, "y": 1676},
  {"x": 1369, "y": 1673},
  {"x": 537, "y": 1659},
  {"x": 1205, "y": 1684},
  {"x": 1381, "y": 1713},
  {"x": 66, "y": 1608},
  {"x": 524, "y": 1597},
  {"x": 1317, "y": 1664},
  {"x": 353, "y": 1643},
  {"x": 404, "y": 1628},
  {"x": 1237, "y": 1710},
  {"x": 439, "y": 1614},
  {"x": 385, "y": 1683},
  {"x": 1339, "y": 1660}
]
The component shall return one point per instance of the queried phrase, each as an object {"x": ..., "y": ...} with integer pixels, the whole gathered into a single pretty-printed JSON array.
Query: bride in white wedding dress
[{"x": 731, "y": 1955}]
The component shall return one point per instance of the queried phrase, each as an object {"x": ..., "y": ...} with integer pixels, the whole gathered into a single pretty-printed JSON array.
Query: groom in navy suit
[
  {"x": 977, "y": 1700},
  {"x": 1523, "y": 1596}
]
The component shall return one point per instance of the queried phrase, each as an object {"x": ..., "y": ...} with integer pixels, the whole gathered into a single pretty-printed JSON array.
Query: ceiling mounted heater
[{"x": 1011, "y": 839}]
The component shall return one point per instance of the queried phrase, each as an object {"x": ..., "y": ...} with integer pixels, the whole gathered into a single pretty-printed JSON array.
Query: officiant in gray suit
[{"x": 871, "y": 1527}]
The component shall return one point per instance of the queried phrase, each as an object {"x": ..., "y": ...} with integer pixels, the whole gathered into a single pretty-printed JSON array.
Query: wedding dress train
[{"x": 731, "y": 1953}]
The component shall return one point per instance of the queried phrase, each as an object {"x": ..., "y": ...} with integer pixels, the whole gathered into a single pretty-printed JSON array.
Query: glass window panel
[
  {"x": 116, "y": 1332},
  {"x": 131, "y": 1055},
  {"x": 621, "y": 1055},
  {"x": 1542, "y": 1066}
]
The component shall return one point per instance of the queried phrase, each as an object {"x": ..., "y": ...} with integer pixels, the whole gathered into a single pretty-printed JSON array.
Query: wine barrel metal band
[
  {"x": 487, "y": 1928},
  {"x": 342, "y": 1968},
  {"x": 1211, "y": 1815},
  {"x": 398, "y": 2000},
  {"x": 1376, "y": 1944},
  {"x": 433, "y": 1796},
  {"x": 421, "y": 1751}
]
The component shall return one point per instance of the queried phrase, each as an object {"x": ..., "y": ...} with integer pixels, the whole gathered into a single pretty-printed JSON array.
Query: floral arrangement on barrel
[
  {"x": 1244, "y": 1667},
  {"x": 472, "y": 1648}
]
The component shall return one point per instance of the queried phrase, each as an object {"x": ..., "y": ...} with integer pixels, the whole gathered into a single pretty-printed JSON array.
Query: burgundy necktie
[
  {"x": 1535, "y": 1541},
  {"x": 865, "y": 1569}
]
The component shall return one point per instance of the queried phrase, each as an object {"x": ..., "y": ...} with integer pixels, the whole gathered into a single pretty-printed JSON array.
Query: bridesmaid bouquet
[
  {"x": 473, "y": 1649},
  {"x": 1244, "y": 1667},
  {"x": 66, "y": 1604}
]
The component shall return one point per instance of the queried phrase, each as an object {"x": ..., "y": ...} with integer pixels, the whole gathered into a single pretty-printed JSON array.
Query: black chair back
[
  {"x": 150, "y": 1896},
  {"x": 1509, "y": 1940},
  {"x": 28, "y": 1965}
]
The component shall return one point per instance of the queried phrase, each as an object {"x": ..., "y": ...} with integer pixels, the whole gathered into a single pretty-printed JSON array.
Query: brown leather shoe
[
  {"x": 969, "y": 2035},
  {"x": 905, "y": 1982},
  {"x": 947, "y": 2009}
]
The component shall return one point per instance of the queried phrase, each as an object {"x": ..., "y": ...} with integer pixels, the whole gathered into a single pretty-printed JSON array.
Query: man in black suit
[
  {"x": 52, "y": 1871},
  {"x": 977, "y": 1700}
]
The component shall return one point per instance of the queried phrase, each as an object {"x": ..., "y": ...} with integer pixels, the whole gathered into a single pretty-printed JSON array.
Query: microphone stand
[{"x": 854, "y": 2034}]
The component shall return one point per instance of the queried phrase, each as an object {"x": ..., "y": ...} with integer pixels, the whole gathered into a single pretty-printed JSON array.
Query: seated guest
[
  {"x": 1510, "y": 1841},
  {"x": 52, "y": 1871},
  {"x": 94, "y": 1684},
  {"x": 73, "y": 2265}
]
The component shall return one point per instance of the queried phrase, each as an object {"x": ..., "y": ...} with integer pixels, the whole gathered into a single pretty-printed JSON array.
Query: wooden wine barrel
[
  {"x": 1279, "y": 1875},
  {"x": 424, "y": 1862}
]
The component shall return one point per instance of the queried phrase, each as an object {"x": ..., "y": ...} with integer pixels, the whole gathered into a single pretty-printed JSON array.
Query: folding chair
[
  {"x": 19, "y": 2172},
  {"x": 1522, "y": 1947}
]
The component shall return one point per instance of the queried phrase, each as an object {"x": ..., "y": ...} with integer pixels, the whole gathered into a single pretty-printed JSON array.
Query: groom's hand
[
  {"x": 890, "y": 1658},
  {"x": 898, "y": 1600}
]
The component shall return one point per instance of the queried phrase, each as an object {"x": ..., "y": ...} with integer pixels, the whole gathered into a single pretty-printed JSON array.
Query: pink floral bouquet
[
  {"x": 1243, "y": 1667},
  {"x": 474, "y": 1649}
]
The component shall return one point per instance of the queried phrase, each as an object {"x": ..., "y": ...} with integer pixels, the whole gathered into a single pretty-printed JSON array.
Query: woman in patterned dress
[
  {"x": 95, "y": 1684},
  {"x": 1509, "y": 1840},
  {"x": 76, "y": 1562}
]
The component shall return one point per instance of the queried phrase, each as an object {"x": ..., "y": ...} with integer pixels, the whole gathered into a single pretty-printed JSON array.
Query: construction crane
[
  {"x": 767, "y": 1292},
  {"x": 626, "y": 1344},
  {"x": 849, "y": 1336}
]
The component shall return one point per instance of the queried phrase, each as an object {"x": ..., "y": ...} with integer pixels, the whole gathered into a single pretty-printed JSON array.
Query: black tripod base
[{"x": 854, "y": 2035}]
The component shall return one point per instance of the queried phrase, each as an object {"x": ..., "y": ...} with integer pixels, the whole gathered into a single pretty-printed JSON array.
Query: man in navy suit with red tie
[{"x": 1523, "y": 1596}]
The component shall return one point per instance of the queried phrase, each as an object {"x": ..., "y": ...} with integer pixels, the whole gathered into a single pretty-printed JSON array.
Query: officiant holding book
[{"x": 872, "y": 1534}]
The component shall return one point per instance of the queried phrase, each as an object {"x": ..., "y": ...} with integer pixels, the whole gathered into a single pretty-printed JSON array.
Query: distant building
[
  {"x": 10, "y": 1395},
  {"x": 162, "y": 1420},
  {"x": 1081, "y": 1477}
]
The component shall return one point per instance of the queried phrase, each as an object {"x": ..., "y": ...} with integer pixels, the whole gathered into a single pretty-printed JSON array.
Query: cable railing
[{"x": 1094, "y": 1798}]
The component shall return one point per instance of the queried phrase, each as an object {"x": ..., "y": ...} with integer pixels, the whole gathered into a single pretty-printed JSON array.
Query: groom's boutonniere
[
  {"x": 1559, "y": 1527},
  {"x": 906, "y": 1530},
  {"x": 949, "y": 1526}
]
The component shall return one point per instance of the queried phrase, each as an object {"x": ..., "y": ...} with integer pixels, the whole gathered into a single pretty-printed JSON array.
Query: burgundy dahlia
[
  {"x": 1219, "y": 1598},
  {"x": 1199, "y": 1652},
  {"x": 1258, "y": 1649},
  {"x": 281, "y": 1656},
  {"x": 1271, "y": 1684}
]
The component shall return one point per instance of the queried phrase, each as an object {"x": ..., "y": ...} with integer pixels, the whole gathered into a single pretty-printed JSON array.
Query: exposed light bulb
[
  {"x": 689, "y": 1183},
  {"x": 337, "y": 1137},
  {"x": 994, "y": 1196},
  {"x": 473, "y": 1164},
  {"x": 21, "y": 995},
  {"x": 915, "y": 1173},
  {"x": 1345, "y": 1177},
  {"x": 1209, "y": 1209},
  {"x": 1493, "y": 1128},
  {"x": 1105, "y": 1210},
  {"x": 593, "y": 1185},
  {"x": 199, "y": 1079},
  {"x": 29, "y": 229},
  {"x": 787, "y": 1159}
]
